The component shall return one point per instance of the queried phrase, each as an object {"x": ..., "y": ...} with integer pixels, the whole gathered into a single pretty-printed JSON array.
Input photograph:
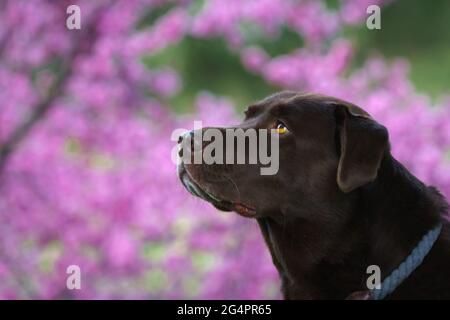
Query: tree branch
[{"x": 83, "y": 43}]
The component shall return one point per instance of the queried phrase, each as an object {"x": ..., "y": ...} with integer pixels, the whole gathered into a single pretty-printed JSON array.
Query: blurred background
[{"x": 86, "y": 118}]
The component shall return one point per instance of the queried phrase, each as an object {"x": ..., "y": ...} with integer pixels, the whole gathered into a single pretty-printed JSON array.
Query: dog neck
[{"x": 318, "y": 260}]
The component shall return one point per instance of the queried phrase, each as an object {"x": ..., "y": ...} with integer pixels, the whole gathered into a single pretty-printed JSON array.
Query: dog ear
[{"x": 363, "y": 143}]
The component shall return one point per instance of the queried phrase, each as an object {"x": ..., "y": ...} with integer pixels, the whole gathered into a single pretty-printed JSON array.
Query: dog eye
[{"x": 281, "y": 128}]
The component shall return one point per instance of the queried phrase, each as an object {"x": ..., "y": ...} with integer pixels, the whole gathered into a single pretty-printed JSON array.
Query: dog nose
[
  {"x": 185, "y": 135},
  {"x": 191, "y": 140}
]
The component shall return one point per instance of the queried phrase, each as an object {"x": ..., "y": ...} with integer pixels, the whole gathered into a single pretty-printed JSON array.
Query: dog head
[{"x": 327, "y": 148}]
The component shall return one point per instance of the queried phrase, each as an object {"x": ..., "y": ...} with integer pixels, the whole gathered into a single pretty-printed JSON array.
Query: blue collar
[{"x": 392, "y": 281}]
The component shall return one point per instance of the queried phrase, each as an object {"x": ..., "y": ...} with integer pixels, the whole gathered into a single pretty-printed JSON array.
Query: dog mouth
[{"x": 221, "y": 204}]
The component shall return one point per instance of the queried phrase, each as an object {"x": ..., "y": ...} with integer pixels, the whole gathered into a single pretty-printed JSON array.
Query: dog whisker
[{"x": 235, "y": 186}]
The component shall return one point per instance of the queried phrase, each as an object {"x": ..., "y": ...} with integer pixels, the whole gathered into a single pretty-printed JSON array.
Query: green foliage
[
  {"x": 209, "y": 65},
  {"x": 153, "y": 14},
  {"x": 156, "y": 279},
  {"x": 284, "y": 41},
  {"x": 203, "y": 261},
  {"x": 332, "y": 4},
  {"x": 154, "y": 251},
  {"x": 417, "y": 30}
]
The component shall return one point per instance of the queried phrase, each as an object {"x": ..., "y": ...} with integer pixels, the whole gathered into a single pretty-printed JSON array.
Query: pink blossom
[{"x": 92, "y": 183}]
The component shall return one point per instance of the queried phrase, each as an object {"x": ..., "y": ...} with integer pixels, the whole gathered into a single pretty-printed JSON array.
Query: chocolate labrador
[{"x": 338, "y": 204}]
